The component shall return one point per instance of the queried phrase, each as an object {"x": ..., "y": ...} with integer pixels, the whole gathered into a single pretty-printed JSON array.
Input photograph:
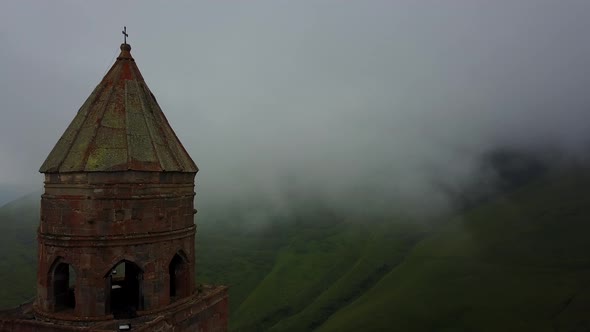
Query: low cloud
[{"x": 357, "y": 104}]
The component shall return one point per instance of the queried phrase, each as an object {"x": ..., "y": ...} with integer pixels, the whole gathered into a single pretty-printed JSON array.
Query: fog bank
[{"x": 389, "y": 103}]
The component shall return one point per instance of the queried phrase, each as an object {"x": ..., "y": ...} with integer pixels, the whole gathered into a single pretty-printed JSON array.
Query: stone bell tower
[{"x": 117, "y": 233}]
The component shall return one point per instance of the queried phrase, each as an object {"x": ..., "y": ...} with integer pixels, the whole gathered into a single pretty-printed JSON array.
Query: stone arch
[
  {"x": 179, "y": 274},
  {"x": 115, "y": 260},
  {"x": 61, "y": 286},
  {"x": 123, "y": 289}
]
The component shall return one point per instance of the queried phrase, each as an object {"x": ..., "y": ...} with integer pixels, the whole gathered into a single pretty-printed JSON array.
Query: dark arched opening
[
  {"x": 124, "y": 290},
  {"x": 63, "y": 283},
  {"x": 179, "y": 281}
]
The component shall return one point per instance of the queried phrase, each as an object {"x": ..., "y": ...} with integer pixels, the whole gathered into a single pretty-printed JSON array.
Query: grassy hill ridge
[{"x": 517, "y": 263}]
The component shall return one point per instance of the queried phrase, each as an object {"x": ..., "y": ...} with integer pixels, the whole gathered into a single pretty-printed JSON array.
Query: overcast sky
[{"x": 332, "y": 94}]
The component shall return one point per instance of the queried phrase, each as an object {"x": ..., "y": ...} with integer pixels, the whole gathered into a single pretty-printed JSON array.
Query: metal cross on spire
[{"x": 124, "y": 32}]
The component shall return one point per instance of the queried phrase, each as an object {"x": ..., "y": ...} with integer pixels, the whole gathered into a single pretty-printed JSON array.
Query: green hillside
[
  {"x": 18, "y": 247},
  {"x": 322, "y": 270},
  {"x": 517, "y": 262},
  {"x": 520, "y": 263}
]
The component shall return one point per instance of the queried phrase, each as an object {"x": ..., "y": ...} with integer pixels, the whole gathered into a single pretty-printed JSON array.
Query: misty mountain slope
[
  {"x": 326, "y": 265},
  {"x": 18, "y": 244},
  {"x": 519, "y": 263},
  {"x": 382, "y": 247},
  {"x": 230, "y": 256}
]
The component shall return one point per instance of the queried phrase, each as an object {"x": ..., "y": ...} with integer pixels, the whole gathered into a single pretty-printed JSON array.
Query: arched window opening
[
  {"x": 64, "y": 283},
  {"x": 124, "y": 290},
  {"x": 179, "y": 281}
]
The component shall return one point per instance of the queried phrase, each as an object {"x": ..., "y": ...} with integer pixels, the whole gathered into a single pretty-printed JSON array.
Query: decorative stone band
[
  {"x": 101, "y": 178},
  {"x": 114, "y": 240},
  {"x": 133, "y": 197},
  {"x": 119, "y": 190}
]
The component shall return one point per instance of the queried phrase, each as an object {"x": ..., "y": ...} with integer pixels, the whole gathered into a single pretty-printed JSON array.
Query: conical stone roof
[{"x": 120, "y": 127}]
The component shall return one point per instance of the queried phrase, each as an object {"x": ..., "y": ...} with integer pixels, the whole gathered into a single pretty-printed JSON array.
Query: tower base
[{"x": 205, "y": 311}]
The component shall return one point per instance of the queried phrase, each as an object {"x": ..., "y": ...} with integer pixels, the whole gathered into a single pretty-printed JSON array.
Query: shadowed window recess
[
  {"x": 178, "y": 272},
  {"x": 124, "y": 290},
  {"x": 63, "y": 282}
]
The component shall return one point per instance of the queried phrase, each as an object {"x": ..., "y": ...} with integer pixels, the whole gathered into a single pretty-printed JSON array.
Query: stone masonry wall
[{"x": 93, "y": 221}]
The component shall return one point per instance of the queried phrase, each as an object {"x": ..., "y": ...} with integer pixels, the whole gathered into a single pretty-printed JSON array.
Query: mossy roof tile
[{"x": 120, "y": 127}]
